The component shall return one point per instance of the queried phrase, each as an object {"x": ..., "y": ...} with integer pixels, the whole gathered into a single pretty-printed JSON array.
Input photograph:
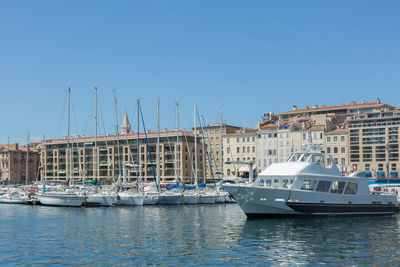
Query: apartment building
[
  {"x": 340, "y": 111},
  {"x": 267, "y": 146},
  {"x": 374, "y": 143},
  {"x": 240, "y": 147},
  {"x": 336, "y": 145},
  {"x": 104, "y": 157},
  {"x": 213, "y": 138},
  {"x": 13, "y": 164}
]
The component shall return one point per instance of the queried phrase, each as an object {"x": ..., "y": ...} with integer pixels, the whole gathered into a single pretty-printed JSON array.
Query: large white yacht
[{"x": 305, "y": 185}]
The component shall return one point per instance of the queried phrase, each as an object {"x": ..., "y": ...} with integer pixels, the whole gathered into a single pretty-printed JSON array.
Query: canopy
[
  {"x": 245, "y": 169},
  {"x": 380, "y": 173}
]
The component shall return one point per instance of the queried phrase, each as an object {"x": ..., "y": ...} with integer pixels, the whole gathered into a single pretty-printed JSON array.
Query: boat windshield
[{"x": 308, "y": 157}]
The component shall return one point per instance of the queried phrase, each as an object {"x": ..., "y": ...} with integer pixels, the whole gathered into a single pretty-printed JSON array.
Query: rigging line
[
  {"x": 212, "y": 153},
  {"x": 76, "y": 139},
  {"x": 208, "y": 157},
  {"x": 190, "y": 156},
  {"x": 148, "y": 149}
]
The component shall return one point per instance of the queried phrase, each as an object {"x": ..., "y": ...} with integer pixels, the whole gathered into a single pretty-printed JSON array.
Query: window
[
  {"x": 248, "y": 149},
  {"x": 244, "y": 139},
  {"x": 244, "y": 149},
  {"x": 237, "y": 140},
  {"x": 328, "y": 150},
  {"x": 228, "y": 150},
  {"x": 254, "y": 149},
  {"x": 335, "y": 150},
  {"x": 328, "y": 139},
  {"x": 342, "y": 138},
  {"x": 248, "y": 139},
  {"x": 337, "y": 187},
  {"x": 238, "y": 150},
  {"x": 335, "y": 139},
  {"x": 308, "y": 185},
  {"x": 253, "y": 139},
  {"x": 323, "y": 186},
  {"x": 351, "y": 188},
  {"x": 342, "y": 150},
  {"x": 343, "y": 161},
  {"x": 228, "y": 140}
]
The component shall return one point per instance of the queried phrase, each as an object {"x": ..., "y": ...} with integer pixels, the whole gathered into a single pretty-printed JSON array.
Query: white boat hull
[
  {"x": 101, "y": 200},
  {"x": 170, "y": 199},
  {"x": 60, "y": 200},
  {"x": 220, "y": 198},
  {"x": 150, "y": 199},
  {"x": 190, "y": 199},
  {"x": 6, "y": 200},
  {"x": 207, "y": 199},
  {"x": 129, "y": 200}
]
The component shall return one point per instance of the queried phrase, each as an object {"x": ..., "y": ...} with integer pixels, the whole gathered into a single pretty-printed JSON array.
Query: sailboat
[
  {"x": 66, "y": 197},
  {"x": 165, "y": 197}
]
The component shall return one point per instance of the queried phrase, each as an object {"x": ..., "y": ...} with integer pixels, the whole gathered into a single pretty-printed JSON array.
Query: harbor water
[{"x": 190, "y": 235}]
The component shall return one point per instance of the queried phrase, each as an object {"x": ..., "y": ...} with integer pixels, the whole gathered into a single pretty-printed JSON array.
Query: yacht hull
[{"x": 273, "y": 202}]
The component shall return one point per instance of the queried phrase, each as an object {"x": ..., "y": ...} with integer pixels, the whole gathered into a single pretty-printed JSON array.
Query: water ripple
[{"x": 190, "y": 235}]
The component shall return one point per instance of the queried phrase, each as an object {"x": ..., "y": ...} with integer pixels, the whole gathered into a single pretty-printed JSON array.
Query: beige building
[
  {"x": 336, "y": 145},
  {"x": 374, "y": 143},
  {"x": 103, "y": 157},
  {"x": 341, "y": 111},
  {"x": 213, "y": 137},
  {"x": 240, "y": 147},
  {"x": 13, "y": 164}
]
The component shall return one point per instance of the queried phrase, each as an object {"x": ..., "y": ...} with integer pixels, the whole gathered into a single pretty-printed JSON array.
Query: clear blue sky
[{"x": 249, "y": 56}]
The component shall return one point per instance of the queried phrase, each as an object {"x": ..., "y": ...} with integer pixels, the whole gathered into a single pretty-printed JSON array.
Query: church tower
[{"x": 126, "y": 126}]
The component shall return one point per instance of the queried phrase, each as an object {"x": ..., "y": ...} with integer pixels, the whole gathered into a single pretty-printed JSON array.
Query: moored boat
[
  {"x": 305, "y": 186},
  {"x": 60, "y": 198}
]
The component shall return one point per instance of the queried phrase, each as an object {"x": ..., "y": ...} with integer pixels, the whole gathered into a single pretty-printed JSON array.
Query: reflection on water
[{"x": 203, "y": 234}]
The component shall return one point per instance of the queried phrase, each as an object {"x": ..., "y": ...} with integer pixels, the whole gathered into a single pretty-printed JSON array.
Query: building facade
[
  {"x": 374, "y": 143},
  {"x": 15, "y": 160},
  {"x": 240, "y": 147},
  {"x": 213, "y": 139},
  {"x": 336, "y": 145},
  {"x": 104, "y": 157}
]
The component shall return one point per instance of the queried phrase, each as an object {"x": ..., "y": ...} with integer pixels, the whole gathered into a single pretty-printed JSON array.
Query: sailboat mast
[
  {"x": 158, "y": 142},
  {"x": 68, "y": 135},
  {"x": 27, "y": 161},
  {"x": 204, "y": 150},
  {"x": 117, "y": 134},
  {"x": 9, "y": 159},
  {"x": 95, "y": 135},
  {"x": 177, "y": 166},
  {"x": 222, "y": 148},
  {"x": 137, "y": 141},
  {"x": 195, "y": 148}
]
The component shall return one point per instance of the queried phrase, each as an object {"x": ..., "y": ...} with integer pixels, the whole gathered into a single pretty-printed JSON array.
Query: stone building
[
  {"x": 13, "y": 164},
  {"x": 240, "y": 146},
  {"x": 213, "y": 138}
]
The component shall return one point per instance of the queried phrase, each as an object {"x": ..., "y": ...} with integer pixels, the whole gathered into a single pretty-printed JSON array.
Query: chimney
[
  {"x": 353, "y": 103},
  {"x": 16, "y": 146},
  {"x": 378, "y": 101},
  {"x": 306, "y": 107},
  {"x": 294, "y": 107},
  {"x": 315, "y": 106}
]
